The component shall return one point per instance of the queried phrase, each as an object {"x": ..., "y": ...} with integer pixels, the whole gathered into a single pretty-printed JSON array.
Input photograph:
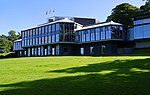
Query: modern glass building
[
  {"x": 73, "y": 36},
  {"x": 100, "y": 39},
  {"x": 142, "y": 32}
]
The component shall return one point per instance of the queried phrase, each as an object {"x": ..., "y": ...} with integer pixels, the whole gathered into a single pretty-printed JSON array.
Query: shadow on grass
[{"x": 120, "y": 77}]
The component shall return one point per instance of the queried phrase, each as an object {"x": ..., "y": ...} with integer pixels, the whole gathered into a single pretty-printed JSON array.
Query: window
[
  {"x": 108, "y": 33},
  {"x": 65, "y": 49},
  {"x": 43, "y": 30},
  {"x": 42, "y": 40},
  {"x": 39, "y": 40},
  {"x": 53, "y": 28},
  {"x": 33, "y": 32},
  {"x": 82, "y": 51},
  {"x": 33, "y": 41},
  {"x": 53, "y": 38},
  {"x": 46, "y": 40},
  {"x": 39, "y": 51},
  {"x": 29, "y": 52},
  {"x": 49, "y": 50},
  {"x": 49, "y": 39},
  {"x": 57, "y": 49},
  {"x": 23, "y": 34},
  {"x": 45, "y": 51},
  {"x": 61, "y": 27},
  {"x": 35, "y": 51},
  {"x": 49, "y": 29},
  {"x": 76, "y": 37},
  {"x": 23, "y": 41},
  {"x": 26, "y": 34},
  {"x": 53, "y": 51},
  {"x": 102, "y": 33},
  {"x": 42, "y": 50},
  {"x": 40, "y": 31},
  {"x": 57, "y": 27},
  {"x": 92, "y": 50},
  {"x": 25, "y": 53},
  {"x": 83, "y": 36},
  {"x": 80, "y": 36},
  {"x": 37, "y": 32},
  {"x": 46, "y": 29},
  {"x": 146, "y": 29},
  {"x": 138, "y": 32},
  {"x": 97, "y": 34},
  {"x": 138, "y": 22},
  {"x": 92, "y": 35},
  {"x": 30, "y": 42},
  {"x": 57, "y": 37},
  {"x": 103, "y": 49},
  {"x": 32, "y": 51},
  {"x": 87, "y": 35},
  {"x": 30, "y": 33}
]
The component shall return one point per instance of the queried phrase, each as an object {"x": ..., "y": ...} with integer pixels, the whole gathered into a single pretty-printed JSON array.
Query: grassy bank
[{"x": 121, "y": 75}]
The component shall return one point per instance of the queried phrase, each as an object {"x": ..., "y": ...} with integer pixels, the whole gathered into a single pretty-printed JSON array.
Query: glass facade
[
  {"x": 142, "y": 28},
  {"x": 59, "y": 32},
  {"x": 100, "y": 33},
  {"x": 142, "y": 31},
  {"x": 45, "y": 39},
  {"x": 17, "y": 46},
  {"x": 142, "y": 21}
]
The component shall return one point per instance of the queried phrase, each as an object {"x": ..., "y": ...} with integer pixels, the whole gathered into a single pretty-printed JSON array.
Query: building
[
  {"x": 81, "y": 36},
  {"x": 142, "y": 31}
]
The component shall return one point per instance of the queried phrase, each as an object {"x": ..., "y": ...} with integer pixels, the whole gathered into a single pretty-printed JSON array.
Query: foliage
[
  {"x": 145, "y": 9},
  {"x": 123, "y": 14},
  {"x": 12, "y": 36},
  {"x": 4, "y": 45},
  {"x": 75, "y": 76}
]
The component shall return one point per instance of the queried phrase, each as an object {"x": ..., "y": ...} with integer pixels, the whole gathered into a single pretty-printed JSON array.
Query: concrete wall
[{"x": 142, "y": 44}]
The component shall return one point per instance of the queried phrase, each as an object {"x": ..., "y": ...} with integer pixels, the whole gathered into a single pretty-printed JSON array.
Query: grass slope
[{"x": 122, "y": 75}]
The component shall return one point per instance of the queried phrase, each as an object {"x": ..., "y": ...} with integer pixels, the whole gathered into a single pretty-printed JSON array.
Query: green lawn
[{"x": 109, "y": 75}]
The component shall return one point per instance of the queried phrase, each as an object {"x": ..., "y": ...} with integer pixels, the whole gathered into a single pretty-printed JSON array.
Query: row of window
[
  {"x": 109, "y": 32},
  {"x": 47, "y": 30},
  {"x": 142, "y": 31},
  {"x": 17, "y": 46},
  {"x": 142, "y": 21},
  {"x": 42, "y": 51},
  {"x": 102, "y": 50},
  {"x": 41, "y": 40}
]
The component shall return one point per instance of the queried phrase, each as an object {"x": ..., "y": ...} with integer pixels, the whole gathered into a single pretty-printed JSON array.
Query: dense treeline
[
  {"x": 6, "y": 42},
  {"x": 125, "y": 13}
]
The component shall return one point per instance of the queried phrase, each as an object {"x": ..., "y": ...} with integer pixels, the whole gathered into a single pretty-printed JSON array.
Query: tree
[
  {"x": 123, "y": 14},
  {"x": 145, "y": 9},
  {"x": 12, "y": 36},
  {"x": 4, "y": 45}
]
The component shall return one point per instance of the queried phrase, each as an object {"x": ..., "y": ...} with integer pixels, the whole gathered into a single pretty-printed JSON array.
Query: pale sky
[{"x": 21, "y": 14}]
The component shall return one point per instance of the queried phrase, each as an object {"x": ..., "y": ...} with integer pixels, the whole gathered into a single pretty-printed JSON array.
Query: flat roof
[
  {"x": 65, "y": 20},
  {"x": 100, "y": 25},
  {"x": 18, "y": 40}
]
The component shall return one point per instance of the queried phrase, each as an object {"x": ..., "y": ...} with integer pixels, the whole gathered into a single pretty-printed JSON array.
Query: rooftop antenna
[{"x": 50, "y": 12}]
